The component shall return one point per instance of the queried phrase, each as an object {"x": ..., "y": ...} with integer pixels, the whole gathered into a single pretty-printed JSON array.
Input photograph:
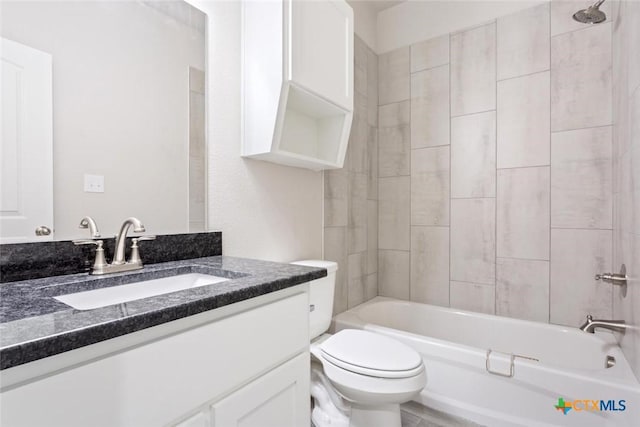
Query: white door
[
  {"x": 26, "y": 150},
  {"x": 280, "y": 398}
]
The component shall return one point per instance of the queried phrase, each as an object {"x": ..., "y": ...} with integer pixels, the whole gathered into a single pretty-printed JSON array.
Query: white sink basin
[{"x": 103, "y": 297}]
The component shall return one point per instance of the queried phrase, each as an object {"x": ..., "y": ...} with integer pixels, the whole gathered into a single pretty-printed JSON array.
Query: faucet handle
[
  {"x": 79, "y": 242},
  {"x": 88, "y": 222},
  {"x": 100, "y": 262},
  {"x": 135, "y": 253},
  {"x": 141, "y": 238}
]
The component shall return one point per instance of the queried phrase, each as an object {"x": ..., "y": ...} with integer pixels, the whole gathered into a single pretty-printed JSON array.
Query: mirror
[{"x": 127, "y": 124}]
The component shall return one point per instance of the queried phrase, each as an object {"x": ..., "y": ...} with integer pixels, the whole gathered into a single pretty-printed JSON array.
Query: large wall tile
[
  {"x": 473, "y": 297},
  {"x": 524, "y": 121},
  {"x": 430, "y": 186},
  {"x": 393, "y": 274},
  {"x": 632, "y": 11},
  {"x": 335, "y": 249},
  {"x": 357, "y": 199},
  {"x": 357, "y": 277},
  {"x": 394, "y": 213},
  {"x": 394, "y": 139},
  {"x": 371, "y": 287},
  {"x": 581, "y": 83},
  {"x": 351, "y": 224},
  {"x": 372, "y": 158},
  {"x": 372, "y": 236},
  {"x": 393, "y": 76},
  {"x": 522, "y": 289},
  {"x": 430, "y": 107},
  {"x": 430, "y": 53},
  {"x": 581, "y": 170},
  {"x": 394, "y": 151},
  {"x": 473, "y": 240},
  {"x": 360, "y": 106},
  {"x": 576, "y": 257},
  {"x": 357, "y": 218},
  {"x": 356, "y": 291},
  {"x": 430, "y": 265},
  {"x": 523, "y": 213},
  {"x": 356, "y": 158},
  {"x": 335, "y": 197},
  {"x": 523, "y": 42},
  {"x": 357, "y": 265},
  {"x": 372, "y": 88},
  {"x": 632, "y": 14},
  {"x": 473, "y": 155},
  {"x": 393, "y": 115},
  {"x": 360, "y": 69},
  {"x": 473, "y": 70}
]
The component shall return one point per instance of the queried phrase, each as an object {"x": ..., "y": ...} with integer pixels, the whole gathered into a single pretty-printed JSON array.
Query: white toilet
[{"x": 358, "y": 378}]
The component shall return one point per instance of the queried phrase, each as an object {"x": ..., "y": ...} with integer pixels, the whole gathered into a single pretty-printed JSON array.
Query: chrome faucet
[
  {"x": 99, "y": 261},
  {"x": 119, "y": 262},
  {"x": 614, "y": 325},
  {"x": 121, "y": 238},
  {"x": 88, "y": 222}
]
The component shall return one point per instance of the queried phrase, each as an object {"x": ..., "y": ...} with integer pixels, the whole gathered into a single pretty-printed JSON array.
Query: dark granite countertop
[{"x": 33, "y": 325}]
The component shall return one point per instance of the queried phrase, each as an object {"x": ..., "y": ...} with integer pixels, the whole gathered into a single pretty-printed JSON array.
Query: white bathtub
[{"x": 454, "y": 343}]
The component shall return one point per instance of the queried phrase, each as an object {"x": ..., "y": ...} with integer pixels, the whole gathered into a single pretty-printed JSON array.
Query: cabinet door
[
  {"x": 201, "y": 419},
  {"x": 280, "y": 398},
  {"x": 321, "y": 43}
]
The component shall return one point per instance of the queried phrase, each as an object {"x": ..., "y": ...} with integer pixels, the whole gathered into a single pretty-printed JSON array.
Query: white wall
[
  {"x": 419, "y": 20},
  {"x": 120, "y": 95},
  {"x": 365, "y": 17},
  {"x": 264, "y": 210}
]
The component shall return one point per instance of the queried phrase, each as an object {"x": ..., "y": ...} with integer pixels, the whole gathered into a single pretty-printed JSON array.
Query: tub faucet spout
[{"x": 613, "y": 325}]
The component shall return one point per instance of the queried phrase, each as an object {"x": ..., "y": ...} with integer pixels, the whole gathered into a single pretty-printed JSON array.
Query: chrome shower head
[{"x": 591, "y": 15}]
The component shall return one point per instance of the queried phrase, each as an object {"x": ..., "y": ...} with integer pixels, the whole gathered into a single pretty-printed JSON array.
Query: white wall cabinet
[
  {"x": 297, "y": 91},
  {"x": 251, "y": 363}
]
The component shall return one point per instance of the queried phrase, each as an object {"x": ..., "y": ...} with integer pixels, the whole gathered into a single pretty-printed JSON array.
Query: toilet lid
[{"x": 371, "y": 354}]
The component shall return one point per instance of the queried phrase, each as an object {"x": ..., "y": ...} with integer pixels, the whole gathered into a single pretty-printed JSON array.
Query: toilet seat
[
  {"x": 377, "y": 373},
  {"x": 370, "y": 354},
  {"x": 373, "y": 390}
]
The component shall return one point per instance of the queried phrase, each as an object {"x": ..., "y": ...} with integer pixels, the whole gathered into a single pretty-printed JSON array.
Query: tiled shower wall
[
  {"x": 495, "y": 168},
  {"x": 626, "y": 143},
  {"x": 351, "y": 194}
]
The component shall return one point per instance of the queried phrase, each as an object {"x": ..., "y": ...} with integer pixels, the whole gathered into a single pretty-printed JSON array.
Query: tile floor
[{"x": 416, "y": 415}]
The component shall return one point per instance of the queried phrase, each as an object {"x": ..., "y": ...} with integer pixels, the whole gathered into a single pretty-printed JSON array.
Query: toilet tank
[{"x": 321, "y": 297}]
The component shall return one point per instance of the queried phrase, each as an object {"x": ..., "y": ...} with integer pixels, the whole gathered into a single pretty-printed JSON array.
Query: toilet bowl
[{"x": 364, "y": 377}]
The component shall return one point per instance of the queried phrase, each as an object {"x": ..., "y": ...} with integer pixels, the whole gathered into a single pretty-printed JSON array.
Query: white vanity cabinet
[
  {"x": 297, "y": 81},
  {"x": 250, "y": 365},
  {"x": 279, "y": 398}
]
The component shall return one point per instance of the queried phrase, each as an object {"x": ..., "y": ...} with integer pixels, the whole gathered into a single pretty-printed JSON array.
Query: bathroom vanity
[{"x": 209, "y": 355}]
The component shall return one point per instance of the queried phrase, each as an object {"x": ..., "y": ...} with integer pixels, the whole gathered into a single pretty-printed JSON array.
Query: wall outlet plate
[{"x": 93, "y": 183}]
